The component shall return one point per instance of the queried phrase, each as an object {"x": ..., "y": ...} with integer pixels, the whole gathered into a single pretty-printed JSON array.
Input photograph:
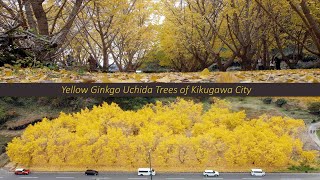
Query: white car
[
  {"x": 257, "y": 172},
  {"x": 210, "y": 173},
  {"x": 146, "y": 172}
]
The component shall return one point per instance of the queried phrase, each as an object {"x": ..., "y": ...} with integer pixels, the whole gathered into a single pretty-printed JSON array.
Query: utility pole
[{"x": 150, "y": 164}]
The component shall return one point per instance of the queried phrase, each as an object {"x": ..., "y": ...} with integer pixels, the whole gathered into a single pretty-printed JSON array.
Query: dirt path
[{"x": 11, "y": 132}]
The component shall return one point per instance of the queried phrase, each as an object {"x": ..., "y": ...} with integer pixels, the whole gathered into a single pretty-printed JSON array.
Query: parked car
[
  {"x": 257, "y": 172},
  {"x": 91, "y": 172},
  {"x": 210, "y": 173},
  {"x": 146, "y": 172},
  {"x": 21, "y": 171}
]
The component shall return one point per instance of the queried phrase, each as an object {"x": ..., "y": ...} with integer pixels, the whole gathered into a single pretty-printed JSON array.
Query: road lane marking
[
  {"x": 101, "y": 178},
  {"x": 28, "y": 177},
  {"x": 65, "y": 177}
]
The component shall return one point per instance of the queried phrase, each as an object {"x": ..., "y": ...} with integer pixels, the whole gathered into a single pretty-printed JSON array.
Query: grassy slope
[
  {"x": 29, "y": 111},
  {"x": 26, "y": 113},
  {"x": 254, "y": 107}
]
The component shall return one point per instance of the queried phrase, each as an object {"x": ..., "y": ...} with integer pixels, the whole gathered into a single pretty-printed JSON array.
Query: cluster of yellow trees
[
  {"x": 187, "y": 35},
  {"x": 204, "y": 32},
  {"x": 179, "y": 134}
]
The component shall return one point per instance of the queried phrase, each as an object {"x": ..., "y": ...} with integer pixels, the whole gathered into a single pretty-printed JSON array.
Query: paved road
[
  {"x": 178, "y": 176},
  {"x": 313, "y": 127}
]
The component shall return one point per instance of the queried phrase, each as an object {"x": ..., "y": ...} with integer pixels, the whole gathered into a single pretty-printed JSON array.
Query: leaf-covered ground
[{"x": 45, "y": 75}]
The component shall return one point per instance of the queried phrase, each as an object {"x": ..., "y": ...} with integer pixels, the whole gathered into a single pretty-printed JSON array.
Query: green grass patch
[
  {"x": 318, "y": 133},
  {"x": 303, "y": 168}
]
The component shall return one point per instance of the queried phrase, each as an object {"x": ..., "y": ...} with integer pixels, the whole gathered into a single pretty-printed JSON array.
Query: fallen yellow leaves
[{"x": 44, "y": 75}]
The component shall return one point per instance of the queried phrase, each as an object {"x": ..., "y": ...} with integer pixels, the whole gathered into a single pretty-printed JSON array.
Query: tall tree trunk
[
  {"x": 105, "y": 58},
  {"x": 65, "y": 30},
  {"x": 312, "y": 21},
  {"x": 22, "y": 17},
  {"x": 266, "y": 61},
  {"x": 314, "y": 25},
  {"x": 29, "y": 15},
  {"x": 41, "y": 17},
  {"x": 228, "y": 63}
]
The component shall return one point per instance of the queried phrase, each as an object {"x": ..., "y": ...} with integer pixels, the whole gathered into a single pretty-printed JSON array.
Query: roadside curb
[{"x": 131, "y": 172}]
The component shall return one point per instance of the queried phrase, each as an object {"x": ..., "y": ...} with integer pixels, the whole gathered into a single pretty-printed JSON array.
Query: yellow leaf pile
[
  {"x": 180, "y": 134},
  {"x": 44, "y": 75}
]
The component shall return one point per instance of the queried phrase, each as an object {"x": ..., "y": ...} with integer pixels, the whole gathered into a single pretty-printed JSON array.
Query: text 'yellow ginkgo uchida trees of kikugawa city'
[{"x": 179, "y": 134}]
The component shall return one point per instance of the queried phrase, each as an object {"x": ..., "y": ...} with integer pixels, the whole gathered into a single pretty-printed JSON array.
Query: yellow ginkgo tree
[{"x": 180, "y": 134}]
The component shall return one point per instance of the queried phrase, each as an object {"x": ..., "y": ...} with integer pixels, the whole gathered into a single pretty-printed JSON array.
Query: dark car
[{"x": 91, "y": 172}]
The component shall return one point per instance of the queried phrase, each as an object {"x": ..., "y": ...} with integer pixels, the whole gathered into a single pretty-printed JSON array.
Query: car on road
[
  {"x": 91, "y": 172},
  {"x": 21, "y": 171},
  {"x": 257, "y": 172},
  {"x": 211, "y": 173},
  {"x": 146, "y": 172}
]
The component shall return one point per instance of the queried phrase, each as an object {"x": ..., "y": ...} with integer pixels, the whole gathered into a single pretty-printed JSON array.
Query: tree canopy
[
  {"x": 184, "y": 35},
  {"x": 179, "y": 134}
]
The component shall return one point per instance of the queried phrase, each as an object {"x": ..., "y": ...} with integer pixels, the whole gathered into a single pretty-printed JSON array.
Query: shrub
[
  {"x": 2, "y": 115},
  {"x": 2, "y": 149},
  {"x": 314, "y": 108},
  {"x": 5, "y": 115},
  {"x": 28, "y": 62},
  {"x": 267, "y": 100},
  {"x": 280, "y": 102},
  {"x": 8, "y": 99},
  {"x": 16, "y": 101},
  {"x": 302, "y": 168}
]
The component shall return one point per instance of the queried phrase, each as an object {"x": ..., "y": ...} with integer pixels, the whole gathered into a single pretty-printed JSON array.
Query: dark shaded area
[
  {"x": 314, "y": 108},
  {"x": 20, "y": 127}
]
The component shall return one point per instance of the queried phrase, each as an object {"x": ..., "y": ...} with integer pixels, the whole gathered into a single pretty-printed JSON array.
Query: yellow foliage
[
  {"x": 227, "y": 77},
  {"x": 27, "y": 75},
  {"x": 180, "y": 134},
  {"x": 205, "y": 72},
  {"x": 137, "y": 77}
]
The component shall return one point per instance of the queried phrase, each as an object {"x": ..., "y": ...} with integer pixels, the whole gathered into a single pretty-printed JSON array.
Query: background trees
[
  {"x": 228, "y": 31},
  {"x": 116, "y": 33},
  {"x": 185, "y": 35},
  {"x": 179, "y": 134},
  {"x": 37, "y": 28},
  {"x": 185, "y": 29},
  {"x": 293, "y": 35}
]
